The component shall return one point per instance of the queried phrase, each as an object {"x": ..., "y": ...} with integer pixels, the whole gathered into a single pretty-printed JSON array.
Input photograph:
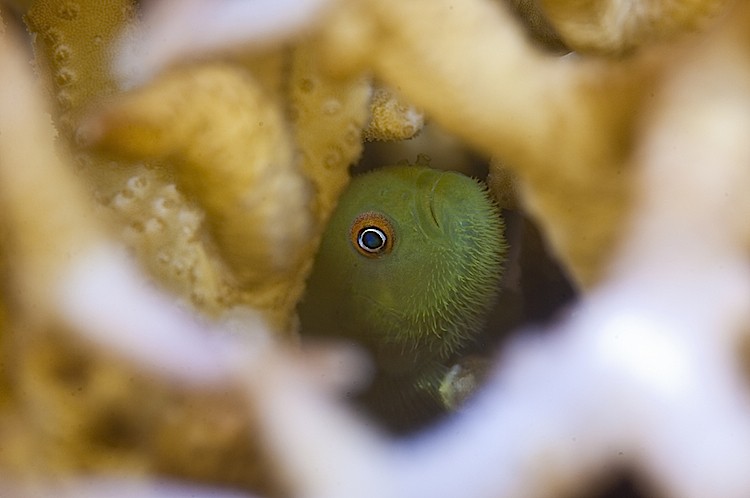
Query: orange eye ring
[{"x": 372, "y": 235}]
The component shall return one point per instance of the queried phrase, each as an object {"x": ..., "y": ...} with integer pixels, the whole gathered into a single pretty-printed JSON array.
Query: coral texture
[{"x": 163, "y": 192}]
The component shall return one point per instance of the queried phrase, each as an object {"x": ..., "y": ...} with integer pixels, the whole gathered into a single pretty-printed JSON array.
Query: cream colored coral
[
  {"x": 621, "y": 26},
  {"x": 391, "y": 119},
  {"x": 28, "y": 155},
  {"x": 74, "y": 40},
  {"x": 67, "y": 405},
  {"x": 266, "y": 186},
  {"x": 231, "y": 151},
  {"x": 74, "y": 45},
  {"x": 216, "y": 197},
  {"x": 328, "y": 116},
  {"x": 531, "y": 14}
]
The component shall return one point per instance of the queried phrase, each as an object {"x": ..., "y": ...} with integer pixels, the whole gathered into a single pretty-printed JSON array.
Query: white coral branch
[
  {"x": 178, "y": 30},
  {"x": 107, "y": 300}
]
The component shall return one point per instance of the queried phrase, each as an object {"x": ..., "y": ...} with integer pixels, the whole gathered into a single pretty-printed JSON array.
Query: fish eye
[
  {"x": 372, "y": 235},
  {"x": 371, "y": 239}
]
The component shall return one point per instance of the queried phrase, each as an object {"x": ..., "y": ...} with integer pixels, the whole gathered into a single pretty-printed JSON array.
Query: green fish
[{"x": 409, "y": 268}]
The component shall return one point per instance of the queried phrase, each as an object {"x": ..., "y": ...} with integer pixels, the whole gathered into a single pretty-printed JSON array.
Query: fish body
[{"x": 408, "y": 267}]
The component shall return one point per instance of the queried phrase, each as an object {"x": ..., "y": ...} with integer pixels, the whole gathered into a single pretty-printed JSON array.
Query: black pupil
[{"x": 371, "y": 239}]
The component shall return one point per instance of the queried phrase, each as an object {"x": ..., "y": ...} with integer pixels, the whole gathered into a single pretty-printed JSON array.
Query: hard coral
[
  {"x": 231, "y": 151},
  {"x": 167, "y": 156},
  {"x": 167, "y": 198},
  {"x": 391, "y": 119},
  {"x": 620, "y": 27},
  {"x": 632, "y": 167},
  {"x": 208, "y": 151}
]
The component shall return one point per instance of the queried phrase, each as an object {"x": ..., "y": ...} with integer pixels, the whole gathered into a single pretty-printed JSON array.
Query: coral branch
[
  {"x": 637, "y": 170},
  {"x": 617, "y": 27},
  {"x": 231, "y": 150},
  {"x": 391, "y": 119},
  {"x": 74, "y": 41},
  {"x": 328, "y": 117},
  {"x": 174, "y": 31},
  {"x": 29, "y": 162}
]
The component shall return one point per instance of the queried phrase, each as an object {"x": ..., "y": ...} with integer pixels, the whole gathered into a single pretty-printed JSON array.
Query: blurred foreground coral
[{"x": 166, "y": 173}]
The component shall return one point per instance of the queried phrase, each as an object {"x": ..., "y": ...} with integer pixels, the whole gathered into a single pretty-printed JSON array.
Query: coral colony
[{"x": 167, "y": 169}]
